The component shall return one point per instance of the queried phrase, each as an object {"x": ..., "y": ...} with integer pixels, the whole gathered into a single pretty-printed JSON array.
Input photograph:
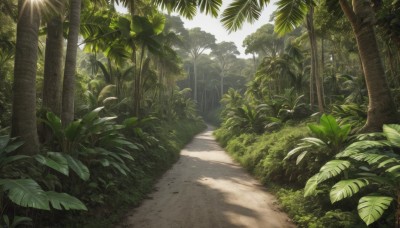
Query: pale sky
[{"x": 214, "y": 26}]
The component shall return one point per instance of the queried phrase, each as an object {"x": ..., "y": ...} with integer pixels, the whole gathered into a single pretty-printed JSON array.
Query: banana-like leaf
[
  {"x": 13, "y": 145},
  {"x": 362, "y": 146},
  {"x": 315, "y": 141},
  {"x": 91, "y": 116},
  {"x": 371, "y": 208},
  {"x": 392, "y": 132},
  {"x": 64, "y": 201},
  {"x": 373, "y": 159},
  {"x": 25, "y": 193},
  {"x": 332, "y": 169},
  {"x": 311, "y": 186},
  {"x": 301, "y": 157},
  {"x": 78, "y": 167},
  {"x": 296, "y": 150},
  {"x": 346, "y": 188},
  {"x": 72, "y": 131},
  {"x": 54, "y": 122},
  {"x": 9, "y": 159},
  {"x": 56, "y": 162},
  {"x": 4, "y": 140}
]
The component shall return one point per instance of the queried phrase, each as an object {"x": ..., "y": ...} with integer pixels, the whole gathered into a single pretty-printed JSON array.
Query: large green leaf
[
  {"x": 12, "y": 146},
  {"x": 25, "y": 192},
  {"x": 311, "y": 186},
  {"x": 62, "y": 201},
  {"x": 10, "y": 159},
  {"x": 72, "y": 131},
  {"x": 362, "y": 146},
  {"x": 346, "y": 188},
  {"x": 78, "y": 167},
  {"x": 332, "y": 169},
  {"x": 371, "y": 208},
  {"x": 392, "y": 132},
  {"x": 55, "y": 161},
  {"x": 54, "y": 122},
  {"x": 4, "y": 139}
]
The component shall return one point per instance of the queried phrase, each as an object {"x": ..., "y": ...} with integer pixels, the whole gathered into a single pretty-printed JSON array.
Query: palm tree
[
  {"x": 291, "y": 12},
  {"x": 53, "y": 61},
  {"x": 24, "y": 87},
  {"x": 381, "y": 108},
  {"x": 67, "y": 114}
]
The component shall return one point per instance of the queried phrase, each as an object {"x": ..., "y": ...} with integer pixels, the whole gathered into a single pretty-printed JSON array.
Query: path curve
[{"x": 206, "y": 189}]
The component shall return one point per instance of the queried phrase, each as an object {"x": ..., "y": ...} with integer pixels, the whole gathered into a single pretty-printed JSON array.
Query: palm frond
[
  {"x": 240, "y": 11},
  {"x": 289, "y": 15}
]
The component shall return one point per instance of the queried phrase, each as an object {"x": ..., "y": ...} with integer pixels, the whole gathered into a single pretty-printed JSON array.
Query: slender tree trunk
[
  {"x": 138, "y": 81},
  {"x": 222, "y": 84},
  {"x": 195, "y": 78},
  {"x": 381, "y": 108},
  {"x": 23, "y": 123},
  {"x": 314, "y": 58},
  {"x": 67, "y": 114}
]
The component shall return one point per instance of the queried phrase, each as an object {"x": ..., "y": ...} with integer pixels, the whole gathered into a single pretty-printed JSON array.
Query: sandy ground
[{"x": 206, "y": 189}]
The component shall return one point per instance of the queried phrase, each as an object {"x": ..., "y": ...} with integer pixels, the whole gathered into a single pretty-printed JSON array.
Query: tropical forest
[{"x": 200, "y": 113}]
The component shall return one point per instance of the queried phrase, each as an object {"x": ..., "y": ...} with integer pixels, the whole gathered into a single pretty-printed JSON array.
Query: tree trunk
[
  {"x": 222, "y": 84},
  {"x": 381, "y": 108},
  {"x": 314, "y": 58},
  {"x": 23, "y": 120},
  {"x": 195, "y": 78},
  {"x": 138, "y": 81},
  {"x": 53, "y": 64},
  {"x": 67, "y": 114}
]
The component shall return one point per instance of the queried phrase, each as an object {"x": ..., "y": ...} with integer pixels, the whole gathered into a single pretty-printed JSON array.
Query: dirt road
[{"x": 206, "y": 189}]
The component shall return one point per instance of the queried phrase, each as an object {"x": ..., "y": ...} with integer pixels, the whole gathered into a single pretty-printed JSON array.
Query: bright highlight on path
[{"x": 207, "y": 189}]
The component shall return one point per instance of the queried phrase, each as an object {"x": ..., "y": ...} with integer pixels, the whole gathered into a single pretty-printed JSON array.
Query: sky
[{"x": 214, "y": 26}]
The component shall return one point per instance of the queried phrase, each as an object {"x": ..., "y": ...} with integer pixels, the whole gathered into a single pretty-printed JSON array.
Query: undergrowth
[
  {"x": 263, "y": 156},
  {"x": 148, "y": 166}
]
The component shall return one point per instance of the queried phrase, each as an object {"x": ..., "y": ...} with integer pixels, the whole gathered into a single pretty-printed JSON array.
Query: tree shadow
[{"x": 206, "y": 189}]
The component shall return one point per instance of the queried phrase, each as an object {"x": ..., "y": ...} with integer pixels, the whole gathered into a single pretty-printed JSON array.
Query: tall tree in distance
[
  {"x": 24, "y": 88},
  {"x": 199, "y": 41},
  {"x": 224, "y": 53}
]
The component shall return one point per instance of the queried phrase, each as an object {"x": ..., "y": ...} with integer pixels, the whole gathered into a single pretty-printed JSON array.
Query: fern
[{"x": 371, "y": 208}]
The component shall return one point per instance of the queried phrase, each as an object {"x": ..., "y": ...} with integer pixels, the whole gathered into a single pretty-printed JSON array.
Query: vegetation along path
[{"x": 207, "y": 189}]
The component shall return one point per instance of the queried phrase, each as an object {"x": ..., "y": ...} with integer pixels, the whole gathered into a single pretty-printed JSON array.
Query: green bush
[
  {"x": 263, "y": 154},
  {"x": 308, "y": 212}
]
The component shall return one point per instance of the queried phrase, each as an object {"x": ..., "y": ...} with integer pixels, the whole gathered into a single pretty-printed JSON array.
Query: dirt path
[{"x": 207, "y": 189}]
